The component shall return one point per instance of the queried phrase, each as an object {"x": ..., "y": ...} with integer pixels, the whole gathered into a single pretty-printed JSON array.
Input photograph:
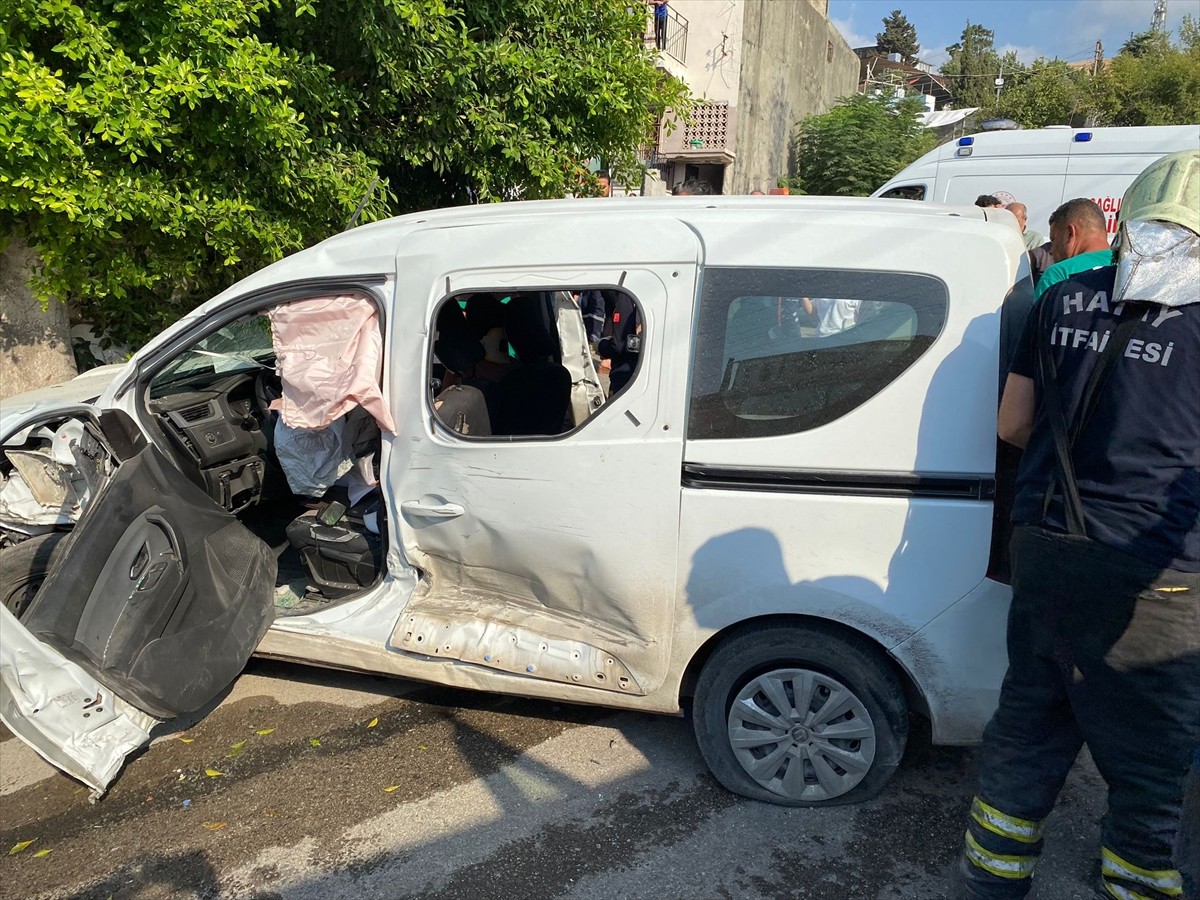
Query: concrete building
[
  {"x": 757, "y": 68},
  {"x": 889, "y": 73}
]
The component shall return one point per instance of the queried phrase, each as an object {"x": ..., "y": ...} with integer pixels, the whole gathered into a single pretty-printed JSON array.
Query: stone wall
[
  {"x": 794, "y": 64},
  {"x": 35, "y": 346}
]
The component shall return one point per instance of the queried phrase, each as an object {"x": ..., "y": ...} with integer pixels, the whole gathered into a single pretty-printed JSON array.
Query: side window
[
  {"x": 905, "y": 192},
  {"x": 780, "y": 351},
  {"x": 529, "y": 364}
]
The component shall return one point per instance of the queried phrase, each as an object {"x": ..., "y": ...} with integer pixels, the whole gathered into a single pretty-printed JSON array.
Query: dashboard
[{"x": 220, "y": 433}]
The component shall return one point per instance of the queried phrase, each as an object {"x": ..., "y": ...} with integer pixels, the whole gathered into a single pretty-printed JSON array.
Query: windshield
[{"x": 242, "y": 345}]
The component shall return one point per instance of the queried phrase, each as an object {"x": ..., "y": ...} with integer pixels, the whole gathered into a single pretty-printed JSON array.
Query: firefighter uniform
[{"x": 1104, "y": 628}]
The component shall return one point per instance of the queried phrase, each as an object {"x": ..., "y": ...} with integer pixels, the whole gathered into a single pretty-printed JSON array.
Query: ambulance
[{"x": 1042, "y": 168}]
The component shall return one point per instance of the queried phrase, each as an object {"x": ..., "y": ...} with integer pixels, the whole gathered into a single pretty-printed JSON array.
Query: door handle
[{"x": 432, "y": 510}]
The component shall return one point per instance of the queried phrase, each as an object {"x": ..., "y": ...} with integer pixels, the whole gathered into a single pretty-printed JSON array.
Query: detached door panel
[{"x": 162, "y": 594}]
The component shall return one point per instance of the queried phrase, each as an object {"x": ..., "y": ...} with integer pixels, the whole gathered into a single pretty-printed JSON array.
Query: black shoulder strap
[{"x": 1064, "y": 438}]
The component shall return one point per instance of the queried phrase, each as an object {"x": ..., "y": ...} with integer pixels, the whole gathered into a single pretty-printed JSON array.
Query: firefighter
[{"x": 1104, "y": 627}]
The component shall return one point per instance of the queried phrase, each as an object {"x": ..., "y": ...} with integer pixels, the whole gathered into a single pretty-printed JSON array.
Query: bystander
[{"x": 1078, "y": 242}]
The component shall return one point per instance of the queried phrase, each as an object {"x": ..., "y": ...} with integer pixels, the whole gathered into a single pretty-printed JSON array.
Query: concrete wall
[
  {"x": 713, "y": 65},
  {"x": 785, "y": 76},
  {"x": 34, "y": 343}
]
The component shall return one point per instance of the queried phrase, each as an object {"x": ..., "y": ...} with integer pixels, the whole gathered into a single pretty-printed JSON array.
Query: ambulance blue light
[
  {"x": 1083, "y": 137},
  {"x": 966, "y": 141}
]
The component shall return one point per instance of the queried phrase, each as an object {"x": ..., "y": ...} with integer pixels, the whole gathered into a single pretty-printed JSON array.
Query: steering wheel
[{"x": 267, "y": 389}]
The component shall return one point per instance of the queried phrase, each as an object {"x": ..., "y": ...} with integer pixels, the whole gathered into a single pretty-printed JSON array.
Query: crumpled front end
[{"x": 49, "y": 472}]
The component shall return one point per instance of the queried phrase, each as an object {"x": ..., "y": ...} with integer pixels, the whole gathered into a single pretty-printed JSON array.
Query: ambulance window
[
  {"x": 522, "y": 364},
  {"x": 905, "y": 192},
  {"x": 780, "y": 351}
]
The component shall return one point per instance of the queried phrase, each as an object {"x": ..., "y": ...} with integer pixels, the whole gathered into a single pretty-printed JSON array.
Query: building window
[
  {"x": 780, "y": 351},
  {"x": 829, "y": 51}
]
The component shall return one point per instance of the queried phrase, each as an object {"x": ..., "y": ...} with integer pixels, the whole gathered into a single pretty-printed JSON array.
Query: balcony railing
[
  {"x": 672, "y": 40},
  {"x": 707, "y": 135}
]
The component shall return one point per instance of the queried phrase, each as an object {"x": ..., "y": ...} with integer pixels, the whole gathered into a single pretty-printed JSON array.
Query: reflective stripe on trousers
[
  {"x": 1106, "y": 649},
  {"x": 1002, "y": 865},
  {"x": 1125, "y": 881},
  {"x": 1025, "y": 831}
]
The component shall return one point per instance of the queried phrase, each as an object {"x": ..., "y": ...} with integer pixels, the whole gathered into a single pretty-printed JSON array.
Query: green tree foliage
[
  {"x": 1150, "y": 82},
  {"x": 153, "y": 151},
  {"x": 1146, "y": 43},
  {"x": 972, "y": 67},
  {"x": 485, "y": 99},
  {"x": 1160, "y": 83},
  {"x": 1050, "y": 92},
  {"x": 859, "y": 144},
  {"x": 898, "y": 36}
]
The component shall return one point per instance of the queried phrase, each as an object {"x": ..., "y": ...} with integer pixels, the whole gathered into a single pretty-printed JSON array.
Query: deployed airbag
[
  {"x": 330, "y": 356},
  {"x": 312, "y": 460}
]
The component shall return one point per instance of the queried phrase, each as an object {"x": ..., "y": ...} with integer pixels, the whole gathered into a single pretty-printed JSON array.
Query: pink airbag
[{"x": 330, "y": 357}]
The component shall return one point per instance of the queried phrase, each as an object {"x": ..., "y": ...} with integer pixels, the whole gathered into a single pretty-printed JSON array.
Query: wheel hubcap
[{"x": 801, "y": 734}]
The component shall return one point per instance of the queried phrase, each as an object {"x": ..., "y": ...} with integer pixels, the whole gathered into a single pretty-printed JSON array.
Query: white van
[
  {"x": 780, "y": 523},
  {"x": 1042, "y": 168}
]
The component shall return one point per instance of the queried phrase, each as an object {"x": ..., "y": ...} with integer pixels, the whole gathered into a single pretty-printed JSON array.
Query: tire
[
  {"x": 851, "y": 691},
  {"x": 24, "y": 566}
]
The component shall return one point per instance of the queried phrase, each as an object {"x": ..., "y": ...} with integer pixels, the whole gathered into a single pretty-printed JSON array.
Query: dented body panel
[
  {"x": 584, "y": 590},
  {"x": 62, "y": 712}
]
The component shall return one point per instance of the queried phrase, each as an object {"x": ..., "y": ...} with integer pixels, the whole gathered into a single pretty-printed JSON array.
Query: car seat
[
  {"x": 535, "y": 398},
  {"x": 340, "y": 552},
  {"x": 465, "y": 404}
]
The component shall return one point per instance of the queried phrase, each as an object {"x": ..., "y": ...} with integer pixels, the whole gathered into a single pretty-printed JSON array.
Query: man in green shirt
[{"x": 1078, "y": 240}]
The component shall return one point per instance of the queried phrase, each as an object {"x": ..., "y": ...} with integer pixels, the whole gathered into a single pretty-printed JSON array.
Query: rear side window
[
  {"x": 780, "y": 351},
  {"x": 905, "y": 192}
]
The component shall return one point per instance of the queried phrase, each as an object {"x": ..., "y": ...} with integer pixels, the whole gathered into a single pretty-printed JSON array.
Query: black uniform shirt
[
  {"x": 1137, "y": 460},
  {"x": 622, "y": 324}
]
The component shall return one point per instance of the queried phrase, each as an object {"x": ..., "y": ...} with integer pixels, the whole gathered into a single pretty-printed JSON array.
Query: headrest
[
  {"x": 527, "y": 321},
  {"x": 455, "y": 346}
]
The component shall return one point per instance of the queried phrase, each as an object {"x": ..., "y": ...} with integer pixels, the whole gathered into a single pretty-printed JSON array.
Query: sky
[{"x": 1067, "y": 29}]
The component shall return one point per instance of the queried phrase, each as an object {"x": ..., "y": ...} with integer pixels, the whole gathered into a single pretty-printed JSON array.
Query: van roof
[
  {"x": 685, "y": 208},
  {"x": 372, "y": 248},
  {"x": 783, "y": 206}
]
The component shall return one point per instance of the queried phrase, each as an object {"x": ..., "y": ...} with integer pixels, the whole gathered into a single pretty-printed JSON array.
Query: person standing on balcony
[{"x": 660, "y": 23}]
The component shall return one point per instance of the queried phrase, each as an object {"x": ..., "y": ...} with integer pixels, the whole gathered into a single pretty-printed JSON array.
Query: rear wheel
[
  {"x": 24, "y": 566},
  {"x": 800, "y": 716}
]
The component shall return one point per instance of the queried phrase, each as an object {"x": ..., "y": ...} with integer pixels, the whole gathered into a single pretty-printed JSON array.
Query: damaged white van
[{"x": 392, "y": 453}]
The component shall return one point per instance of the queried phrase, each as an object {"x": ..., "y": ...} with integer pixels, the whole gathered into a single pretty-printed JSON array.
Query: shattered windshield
[{"x": 242, "y": 345}]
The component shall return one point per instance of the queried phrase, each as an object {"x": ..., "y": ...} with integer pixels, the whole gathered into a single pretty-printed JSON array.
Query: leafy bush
[{"x": 858, "y": 145}]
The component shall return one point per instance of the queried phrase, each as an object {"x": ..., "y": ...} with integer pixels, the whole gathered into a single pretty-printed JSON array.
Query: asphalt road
[{"x": 331, "y": 785}]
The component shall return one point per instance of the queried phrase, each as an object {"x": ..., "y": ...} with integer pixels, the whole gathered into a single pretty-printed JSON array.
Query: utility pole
[
  {"x": 1000, "y": 81},
  {"x": 1158, "y": 21},
  {"x": 1097, "y": 59}
]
